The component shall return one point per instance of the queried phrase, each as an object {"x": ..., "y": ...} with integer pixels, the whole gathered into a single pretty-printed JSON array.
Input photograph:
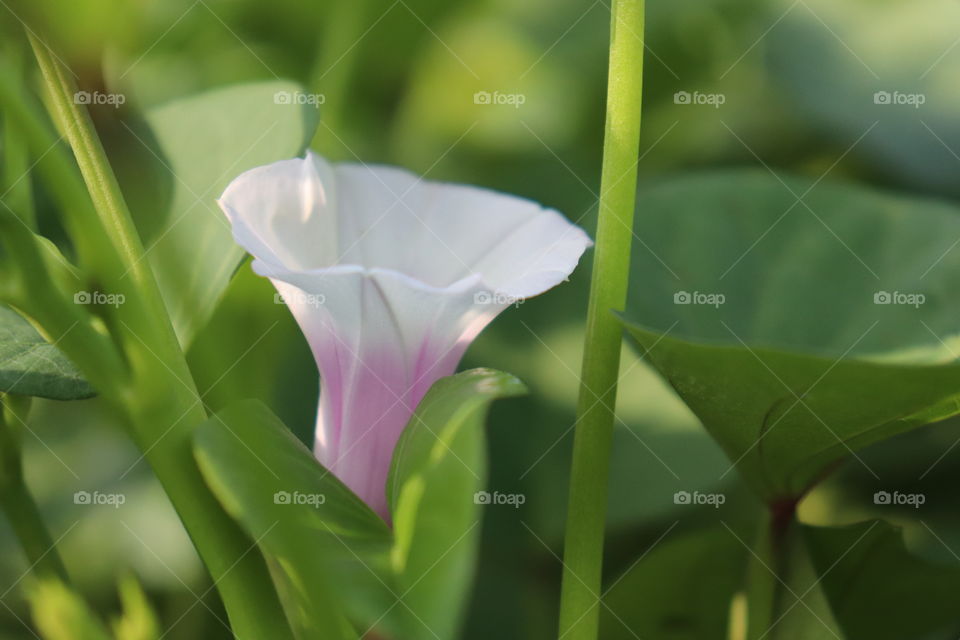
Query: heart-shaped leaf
[
  {"x": 31, "y": 366},
  {"x": 435, "y": 491},
  {"x": 799, "y": 321},
  {"x": 207, "y": 140}
]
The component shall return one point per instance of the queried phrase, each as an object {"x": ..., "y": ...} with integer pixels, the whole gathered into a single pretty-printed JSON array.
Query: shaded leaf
[
  {"x": 207, "y": 140},
  {"x": 685, "y": 584},
  {"x": 30, "y": 366},
  {"x": 880, "y": 591},
  {"x": 835, "y": 328}
]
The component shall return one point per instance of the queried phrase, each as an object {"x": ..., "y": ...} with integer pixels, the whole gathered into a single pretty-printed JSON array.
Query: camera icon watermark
[
  {"x": 715, "y": 100},
  {"x": 98, "y": 98},
  {"x": 300, "y": 299},
  {"x": 699, "y": 298},
  {"x": 497, "y": 98},
  {"x": 298, "y": 498},
  {"x": 914, "y": 100},
  {"x": 715, "y": 500},
  {"x": 496, "y": 498},
  {"x": 99, "y": 298},
  {"x": 895, "y": 498},
  {"x": 899, "y": 298},
  {"x": 496, "y": 298},
  {"x": 115, "y": 500},
  {"x": 299, "y": 97}
]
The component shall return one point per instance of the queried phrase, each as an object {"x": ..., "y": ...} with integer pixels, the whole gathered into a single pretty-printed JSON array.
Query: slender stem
[
  {"x": 15, "y": 499},
  {"x": 587, "y": 506},
  {"x": 762, "y": 569},
  {"x": 27, "y": 523},
  {"x": 161, "y": 399},
  {"x": 15, "y": 183},
  {"x": 769, "y": 567}
]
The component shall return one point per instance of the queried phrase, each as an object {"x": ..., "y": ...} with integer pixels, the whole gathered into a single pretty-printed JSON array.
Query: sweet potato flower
[{"x": 390, "y": 278}]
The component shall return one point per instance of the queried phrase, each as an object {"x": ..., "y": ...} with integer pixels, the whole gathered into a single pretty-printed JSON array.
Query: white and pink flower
[{"x": 390, "y": 278}]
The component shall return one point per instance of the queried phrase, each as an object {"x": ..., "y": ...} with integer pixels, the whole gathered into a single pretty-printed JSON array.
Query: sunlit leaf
[
  {"x": 309, "y": 524},
  {"x": 438, "y": 467}
]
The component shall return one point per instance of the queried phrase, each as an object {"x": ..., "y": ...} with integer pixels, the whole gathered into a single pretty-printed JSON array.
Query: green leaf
[
  {"x": 138, "y": 621},
  {"x": 207, "y": 140},
  {"x": 685, "y": 584},
  {"x": 308, "y": 523},
  {"x": 60, "y": 614},
  {"x": 897, "y": 86},
  {"x": 438, "y": 467},
  {"x": 797, "y": 365},
  {"x": 30, "y": 366},
  {"x": 878, "y": 590}
]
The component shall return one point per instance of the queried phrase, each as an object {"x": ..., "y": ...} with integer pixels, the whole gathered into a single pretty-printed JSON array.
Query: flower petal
[
  {"x": 380, "y": 340},
  {"x": 390, "y": 278}
]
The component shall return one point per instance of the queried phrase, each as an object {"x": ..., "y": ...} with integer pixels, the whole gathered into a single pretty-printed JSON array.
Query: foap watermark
[
  {"x": 300, "y": 298},
  {"x": 710, "y": 99},
  {"x": 299, "y": 97},
  {"x": 299, "y": 498},
  {"x": 99, "y": 298},
  {"x": 99, "y": 97},
  {"x": 899, "y": 98},
  {"x": 496, "y": 298},
  {"x": 899, "y": 297},
  {"x": 898, "y": 499},
  {"x": 487, "y": 498},
  {"x": 496, "y": 98},
  {"x": 715, "y": 500},
  {"x": 114, "y": 500},
  {"x": 698, "y": 297}
]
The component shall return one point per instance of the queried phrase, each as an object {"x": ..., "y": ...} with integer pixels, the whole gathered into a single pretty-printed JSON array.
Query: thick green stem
[
  {"x": 15, "y": 499},
  {"x": 587, "y": 506},
  {"x": 160, "y": 399}
]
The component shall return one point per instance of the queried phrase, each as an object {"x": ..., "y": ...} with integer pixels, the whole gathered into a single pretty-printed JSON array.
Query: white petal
[
  {"x": 285, "y": 213},
  {"x": 441, "y": 233},
  {"x": 303, "y": 214},
  {"x": 390, "y": 277}
]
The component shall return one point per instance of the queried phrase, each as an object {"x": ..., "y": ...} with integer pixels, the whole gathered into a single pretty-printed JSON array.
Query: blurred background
[{"x": 510, "y": 96}]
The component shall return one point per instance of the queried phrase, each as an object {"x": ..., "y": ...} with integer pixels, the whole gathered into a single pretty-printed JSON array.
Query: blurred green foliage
[{"x": 399, "y": 79}]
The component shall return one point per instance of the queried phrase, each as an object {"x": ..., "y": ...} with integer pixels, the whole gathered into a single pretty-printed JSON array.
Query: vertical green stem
[
  {"x": 15, "y": 184},
  {"x": 160, "y": 398},
  {"x": 15, "y": 499},
  {"x": 764, "y": 565},
  {"x": 587, "y": 506}
]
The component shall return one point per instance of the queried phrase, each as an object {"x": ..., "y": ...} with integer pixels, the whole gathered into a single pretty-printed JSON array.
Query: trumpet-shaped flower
[{"x": 390, "y": 278}]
